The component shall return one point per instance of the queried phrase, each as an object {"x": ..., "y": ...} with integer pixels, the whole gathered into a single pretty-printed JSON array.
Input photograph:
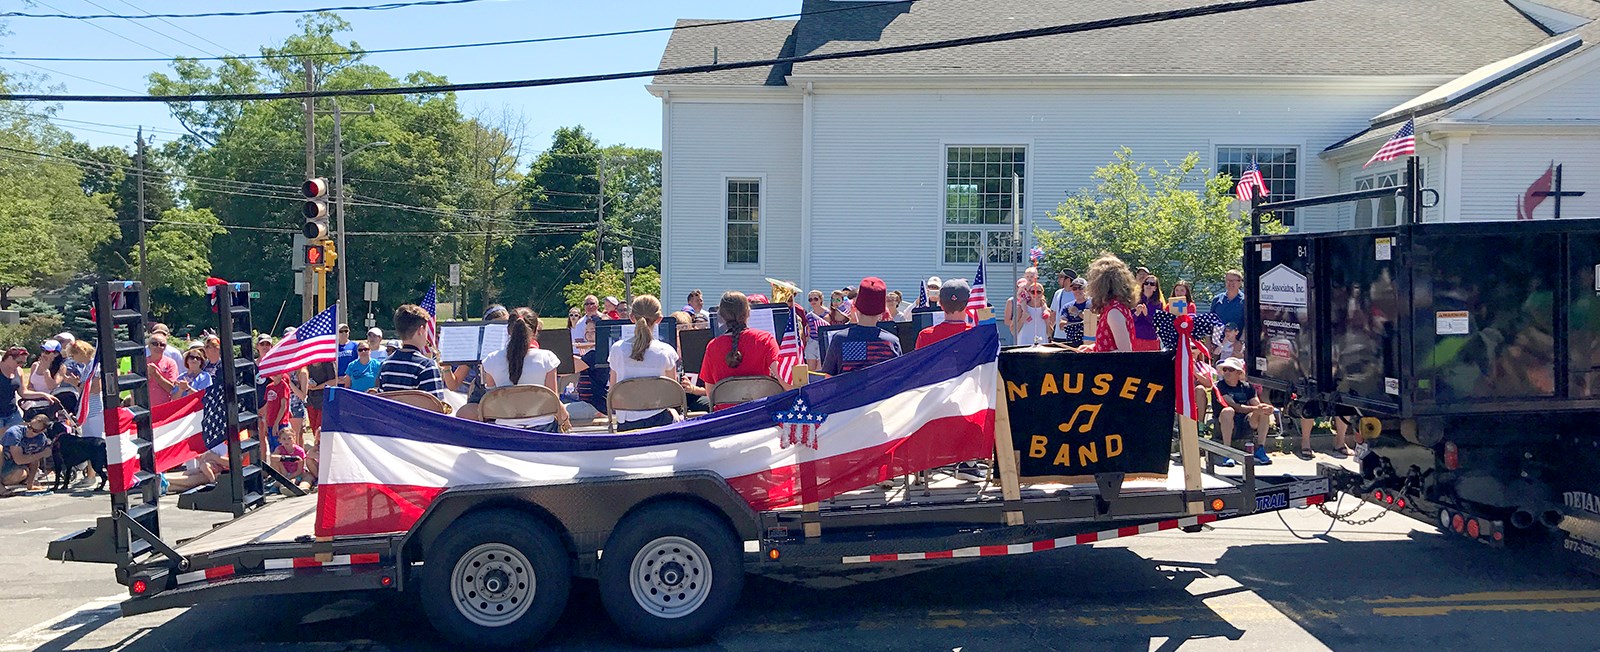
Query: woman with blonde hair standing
[{"x": 1111, "y": 291}]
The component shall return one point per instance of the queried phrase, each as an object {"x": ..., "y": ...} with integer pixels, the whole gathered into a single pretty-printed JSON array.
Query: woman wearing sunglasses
[
  {"x": 1033, "y": 327},
  {"x": 1144, "y": 326}
]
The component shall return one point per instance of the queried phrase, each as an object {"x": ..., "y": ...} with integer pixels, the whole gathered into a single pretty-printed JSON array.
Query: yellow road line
[
  {"x": 1492, "y": 596},
  {"x": 1444, "y": 610}
]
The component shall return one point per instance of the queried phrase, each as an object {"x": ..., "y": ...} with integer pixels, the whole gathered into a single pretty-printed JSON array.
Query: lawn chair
[{"x": 653, "y": 393}]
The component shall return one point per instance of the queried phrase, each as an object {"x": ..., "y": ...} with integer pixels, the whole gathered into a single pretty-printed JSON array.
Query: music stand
[
  {"x": 559, "y": 342},
  {"x": 692, "y": 343}
]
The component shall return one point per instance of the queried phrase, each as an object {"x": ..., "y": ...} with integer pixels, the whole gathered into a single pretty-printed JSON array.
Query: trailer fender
[{"x": 584, "y": 511}]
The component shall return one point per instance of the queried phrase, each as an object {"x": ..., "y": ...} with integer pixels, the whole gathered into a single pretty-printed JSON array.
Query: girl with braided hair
[{"x": 741, "y": 351}]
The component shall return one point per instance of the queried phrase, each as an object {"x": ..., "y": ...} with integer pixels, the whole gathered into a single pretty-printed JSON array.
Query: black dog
[{"x": 67, "y": 451}]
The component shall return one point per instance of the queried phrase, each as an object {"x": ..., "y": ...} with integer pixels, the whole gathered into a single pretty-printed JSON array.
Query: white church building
[{"x": 901, "y": 166}]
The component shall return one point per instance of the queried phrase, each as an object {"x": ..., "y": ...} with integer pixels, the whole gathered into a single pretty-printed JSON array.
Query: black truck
[{"x": 1466, "y": 356}]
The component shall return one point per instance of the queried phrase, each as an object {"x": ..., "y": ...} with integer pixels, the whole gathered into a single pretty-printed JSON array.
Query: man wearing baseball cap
[
  {"x": 1241, "y": 409},
  {"x": 863, "y": 344}
]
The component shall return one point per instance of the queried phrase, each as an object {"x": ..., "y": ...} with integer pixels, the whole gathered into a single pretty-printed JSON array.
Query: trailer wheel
[
  {"x": 496, "y": 579},
  {"x": 671, "y": 574}
]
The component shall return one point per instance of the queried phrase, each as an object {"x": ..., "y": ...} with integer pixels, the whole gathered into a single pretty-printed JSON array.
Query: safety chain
[{"x": 1345, "y": 517}]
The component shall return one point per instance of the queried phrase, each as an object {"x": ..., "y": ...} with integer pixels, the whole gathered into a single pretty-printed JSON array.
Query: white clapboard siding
[
  {"x": 1578, "y": 98},
  {"x": 1497, "y": 169},
  {"x": 878, "y": 158},
  {"x": 707, "y": 142}
]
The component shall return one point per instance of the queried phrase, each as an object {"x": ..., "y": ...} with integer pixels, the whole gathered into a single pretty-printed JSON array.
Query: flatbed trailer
[{"x": 492, "y": 563}]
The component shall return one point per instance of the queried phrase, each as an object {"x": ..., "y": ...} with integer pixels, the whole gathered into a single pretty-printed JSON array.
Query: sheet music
[
  {"x": 624, "y": 332},
  {"x": 459, "y": 343},
  {"x": 762, "y": 320},
  {"x": 494, "y": 339}
]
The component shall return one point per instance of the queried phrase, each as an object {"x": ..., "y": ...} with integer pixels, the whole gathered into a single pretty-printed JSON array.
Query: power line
[
  {"x": 482, "y": 44},
  {"x": 152, "y": 30},
  {"x": 181, "y": 29},
  {"x": 115, "y": 34},
  {"x": 1056, "y": 30},
  {"x": 235, "y": 14},
  {"x": 68, "y": 74}
]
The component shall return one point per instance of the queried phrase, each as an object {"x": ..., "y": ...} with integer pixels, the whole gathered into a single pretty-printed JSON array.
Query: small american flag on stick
[
  {"x": 314, "y": 341},
  {"x": 977, "y": 300},
  {"x": 430, "y": 303},
  {"x": 1402, "y": 143},
  {"x": 1250, "y": 183},
  {"x": 789, "y": 348}
]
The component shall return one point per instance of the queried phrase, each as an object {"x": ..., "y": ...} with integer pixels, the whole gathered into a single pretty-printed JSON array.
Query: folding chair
[
  {"x": 519, "y": 402},
  {"x": 743, "y": 389},
  {"x": 417, "y": 398},
  {"x": 653, "y": 393}
]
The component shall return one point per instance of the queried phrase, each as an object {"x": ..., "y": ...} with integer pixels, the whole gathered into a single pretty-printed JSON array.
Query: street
[{"x": 1246, "y": 584}]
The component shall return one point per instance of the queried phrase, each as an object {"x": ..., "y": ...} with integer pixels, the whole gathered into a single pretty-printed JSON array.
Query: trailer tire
[
  {"x": 671, "y": 574},
  {"x": 496, "y": 579}
]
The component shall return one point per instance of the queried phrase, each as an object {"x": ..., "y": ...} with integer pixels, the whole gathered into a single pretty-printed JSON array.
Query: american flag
[
  {"x": 976, "y": 301},
  {"x": 430, "y": 303},
  {"x": 314, "y": 341},
  {"x": 1402, "y": 143},
  {"x": 1249, "y": 183},
  {"x": 922, "y": 296},
  {"x": 214, "y": 417},
  {"x": 1036, "y": 254},
  {"x": 85, "y": 384},
  {"x": 789, "y": 348}
]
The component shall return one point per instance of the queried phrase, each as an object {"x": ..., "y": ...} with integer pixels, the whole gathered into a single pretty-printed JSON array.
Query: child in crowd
[{"x": 410, "y": 368}]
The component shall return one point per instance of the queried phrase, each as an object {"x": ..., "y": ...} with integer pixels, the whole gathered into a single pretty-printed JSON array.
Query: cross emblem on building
[{"x": 1551, "y": 182}]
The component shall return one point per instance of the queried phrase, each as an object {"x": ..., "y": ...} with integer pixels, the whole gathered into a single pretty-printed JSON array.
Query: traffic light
[
  {"x": 315, "y": 256},
  {"x": 315, "y": 208}
]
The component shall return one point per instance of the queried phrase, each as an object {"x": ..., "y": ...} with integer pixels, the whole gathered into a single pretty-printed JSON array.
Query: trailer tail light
[
  {"x": 1473, "y": 528},
  {"x": 1377, "y": 494},
  {"x": 1216, "y": 504},
  {"x": 773, "y": 554},
  {"x": 1499, "y": 536},
  {"x": 139, "y": 587},
  {"x": 1452, "y": 456},
  {"x": 1457, "y": 523},
  {"x": 1400, "y": 502},
  {"x": 386, "y": 581}
]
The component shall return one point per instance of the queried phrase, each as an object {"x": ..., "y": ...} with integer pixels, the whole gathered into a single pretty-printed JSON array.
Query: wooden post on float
[
  {"x": 1189, "y": 451},
  {"x": 1005, "y": 452},
  {"x": 799, "y": 377}
]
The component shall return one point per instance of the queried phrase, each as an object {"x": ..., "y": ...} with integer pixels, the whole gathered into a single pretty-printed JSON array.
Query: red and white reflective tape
[
  {"x": 311, "y": 562},
  {"x": 213, "y": 573},
  {"x": 1063, "y": 542}
]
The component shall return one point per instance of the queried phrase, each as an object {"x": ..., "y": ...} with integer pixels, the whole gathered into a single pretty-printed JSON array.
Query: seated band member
[
  {"x": 742, "y": 351},
  {"x": 522, "y": 362},
  {"x": 410, "y": 368},
  {"x": 643, "y": 356},
  {"x": 863, "y": 344}
]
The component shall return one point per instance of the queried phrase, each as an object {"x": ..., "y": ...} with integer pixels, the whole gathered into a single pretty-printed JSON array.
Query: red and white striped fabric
[
  {"x": 382, "y": 463},
  {"x": 178, "y": 432},
  {"x": 1187, "y": 406}
]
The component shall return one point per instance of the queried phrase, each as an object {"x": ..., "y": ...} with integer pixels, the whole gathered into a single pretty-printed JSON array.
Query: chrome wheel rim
[
  {"x": 493, "y": 585},
  {"x": 671, "y": 577}
]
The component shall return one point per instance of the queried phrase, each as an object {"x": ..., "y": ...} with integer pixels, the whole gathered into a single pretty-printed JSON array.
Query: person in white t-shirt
[
  {"x": 522, "y": 362},
  {"x": 1059, "y": 303},
  {"x": 643, "y": 356}
]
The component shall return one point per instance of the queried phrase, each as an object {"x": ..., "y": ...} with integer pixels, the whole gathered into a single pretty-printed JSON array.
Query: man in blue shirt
[
  {"x": 22, "y": 450},
  {"x": 347, "y": 349},
  {"x": 1230, "y": 306},
  {"x": 862, "y": 344}
]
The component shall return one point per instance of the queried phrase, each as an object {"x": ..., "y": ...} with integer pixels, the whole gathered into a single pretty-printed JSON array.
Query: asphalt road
[{"x": 1246, "y": 584}]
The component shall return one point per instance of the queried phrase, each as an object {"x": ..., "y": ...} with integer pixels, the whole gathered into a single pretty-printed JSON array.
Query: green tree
[
  {"x": 110, "y": 174},
  {"x": 556, "y": 241},
  {"x": 180, "y": 261},
  {"x": 609, "y": 282},
  {"x": 1176, "y": 220}
]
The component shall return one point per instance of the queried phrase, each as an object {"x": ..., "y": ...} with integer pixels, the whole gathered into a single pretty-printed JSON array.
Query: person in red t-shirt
[
  {"x": 953, "y": 297},
  {"x": 740, "y": 351}
]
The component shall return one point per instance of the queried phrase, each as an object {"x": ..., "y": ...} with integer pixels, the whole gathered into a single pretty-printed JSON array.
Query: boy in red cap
[{"x": 863, "y": 344}]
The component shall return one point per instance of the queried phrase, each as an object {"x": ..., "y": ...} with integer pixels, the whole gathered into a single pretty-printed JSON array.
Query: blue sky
[{"x": 616, "y": 112}]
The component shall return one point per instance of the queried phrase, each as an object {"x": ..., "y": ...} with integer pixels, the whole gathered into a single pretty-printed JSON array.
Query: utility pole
[
  {"x": 343, "y": 314},
  {"x": 309, "y": 289},
  {"x": 143, "y": 254},
  {"x": 600, "y": 220}
]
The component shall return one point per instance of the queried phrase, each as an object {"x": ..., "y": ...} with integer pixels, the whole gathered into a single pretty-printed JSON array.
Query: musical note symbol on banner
[{"x": 1093, "y": 410}]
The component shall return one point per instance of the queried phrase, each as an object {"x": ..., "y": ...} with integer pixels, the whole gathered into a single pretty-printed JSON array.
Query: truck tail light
[
  {"x": 1452, "y": 456},
  {"x": 1473, "y": 528},
  {"x": 1457, "y": 523}
]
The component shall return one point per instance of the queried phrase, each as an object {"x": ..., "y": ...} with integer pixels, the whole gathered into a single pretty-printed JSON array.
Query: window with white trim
[
  {"x": 1280, "y": 169},
  {"x": 1379, "y": 211},
  {"x": 977, "y": 203},
  {"x": 742, "y": 228}
]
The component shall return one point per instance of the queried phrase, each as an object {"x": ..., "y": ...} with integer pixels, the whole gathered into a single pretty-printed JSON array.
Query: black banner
[{"x": 1077, "y": 414}]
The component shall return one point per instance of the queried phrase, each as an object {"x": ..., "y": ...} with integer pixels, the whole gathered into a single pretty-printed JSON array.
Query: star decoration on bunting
[{"x": 799, "y": 425}]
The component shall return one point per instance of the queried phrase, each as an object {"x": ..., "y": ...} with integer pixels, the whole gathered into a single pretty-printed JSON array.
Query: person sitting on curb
[
  {"x": 24, "y": 449},
  {"x": 1242, "y": 409}
]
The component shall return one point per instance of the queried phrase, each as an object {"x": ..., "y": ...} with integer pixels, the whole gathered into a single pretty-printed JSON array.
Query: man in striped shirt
[{"x": 409, "y": 368}]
